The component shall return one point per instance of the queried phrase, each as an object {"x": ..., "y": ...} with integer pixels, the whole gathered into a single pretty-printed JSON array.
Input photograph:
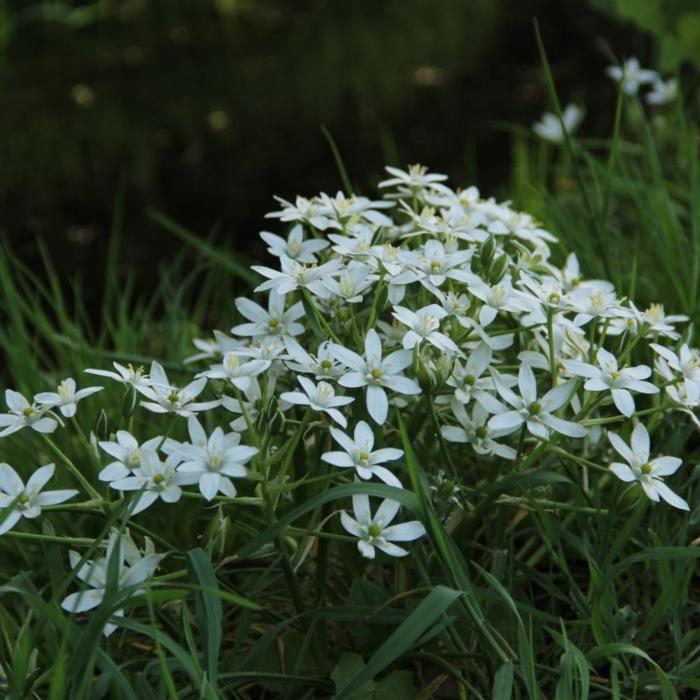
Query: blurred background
[{"x": 204, "y": 109}]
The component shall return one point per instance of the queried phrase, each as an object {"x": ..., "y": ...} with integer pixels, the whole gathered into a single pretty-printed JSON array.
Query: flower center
[
  {"x": 374, "y": 530},
  {"x": 273, "y": 322},
  {"x": 470, "y": 380},
  {"x": 364, "y": 456},
  {"x": 174, "y": 396},
  {"x": 64, "y": 390},
  {"x": 158, "y": 479},
  {"x": 534, "y": 408},
  {"x": 615, "y": 374},
  {"x": 376, "y": 373},
  {"x": 23, "y": 499},
  {"x": 482, "y": 432},
  {"x": 555, "y": 297},
  {"x": 647, "y": 469},
  {"x": 27, "y": 411},
  {"x": 326, "y": 365}
]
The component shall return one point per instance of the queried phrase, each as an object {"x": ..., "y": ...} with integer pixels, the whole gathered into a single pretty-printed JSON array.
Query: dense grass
[{"x": 536, "y": 589}]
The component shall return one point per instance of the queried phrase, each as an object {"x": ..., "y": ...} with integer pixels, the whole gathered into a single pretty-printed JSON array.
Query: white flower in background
[
  {"x": 476, "y": 431},
  {"x": 607, "y": 377},
  {"x": 294, "y": 246},
  {"x": 359, "y": 454},
  {"x": 165, "y": 398},
  {"x": 468, "y": 380},
  {"x": 686, "y": 363},
  {"x": 352, "y": 283},
  {"x": 498, "y": 297},
  {"x": 631, "y": 75},
  {"x": 591, "y": 302},
  {"x": 294, "y": 275},
  {"x": 660, "y": 322},
  {"x": 210, "y": 349},
  {"x": 275, "y": 321},
  {"x": 571, "y": 277},
  {"x": 342, "y": 209},
  {"x": 127, "y": 455},
  {"x": 662, "y": 92},
  {"x": 320, "y": 397},
  {"x": 155, "y": 479},
  {"x": 24, "y": 414},
  {"x": 537, "y": 414},
  {"x": 212, "y": 460},
  {"x": 649, "y": 473},
  {"x": 410, "y": 181},
  {"x": 357, "y": 244},
  {"x": 238, "y": 372},
  {"x": 308, "y": 211},
  {"x": 66, "y": 397},
  {"x": 550, "y": 128},
  {"x": 20, "y": 501},
  {"x": 251, "y": 407},
  {"x": 133, "y": 570},
  {"x": 133, "y": 376},
  {"x": 376, "y": 373},
  {"x": 376, "y": 531},
  {"x": 424, "y": 324},
  {"x": 323, "y": 366}
]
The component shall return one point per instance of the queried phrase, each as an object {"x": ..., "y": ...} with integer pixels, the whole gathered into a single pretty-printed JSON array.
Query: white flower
[
  {"x": 437, "y": 264},
  {"x": 66, "y": 397},
  {"x": 132, "y": 571},
  {"x": 607, "y": 377},
  {"x": 343, "y": 209},
  {"x": 648, "y": 472},
  {"x": 468, "y": 381},
  {"x": 294, "y": 247},
  {"x": 549, "y": 127},
  {"x": 275, "y": 321},
  {"x": 320, "y": 397},
  {"x": 134, "y": 376},
  {"x": 217, "y": 347},
  {"x": 631, "y": 76},
  {"x": 354, "y": 281},
  {"x": 165, "y": 398},
  {"x": 238, "y": 372},
  {"x": 376, "y": 373},
  {"x": 251, "y": 407},
  {"x": 409, "y": 181},
  {"x": 536, "y": 414},
  {"x": 424, "y": 324},
  {"x": 212, "y": 460},
  {"x": 476, "y": 431},
  {"x": 498, "y": 297},
  {"x": 26, "y": 501},
  {"x": 306, "y": 210},
  {"x": 127, "y": 454},
  {"x": 592, "y": 302},
  {"x": 294, "y": 275},
  {"x": 686, "y": 363},
  {"x": 154, "y": 479},
  {"x": 662, "y": 92},
  {"x": 376, "y": 531},
  {"x": 323, "y": 366},
  {"x": 23, "y": 414},
  {"x": 359, "y": 455}
]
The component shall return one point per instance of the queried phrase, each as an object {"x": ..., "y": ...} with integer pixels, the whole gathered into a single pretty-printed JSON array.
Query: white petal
[
  {"x": 377, "y": 404},
  {"x": 640, "y": 442},
  {"x": 622, "y": 471}
]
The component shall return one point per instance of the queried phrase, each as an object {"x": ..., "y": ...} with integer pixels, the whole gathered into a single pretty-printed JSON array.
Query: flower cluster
[{"x": 437, "y": 305}]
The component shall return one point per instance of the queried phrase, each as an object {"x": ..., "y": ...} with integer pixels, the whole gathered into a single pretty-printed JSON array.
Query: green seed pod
[
  {"x": 498, "y": 269},
  {"x": 488, "y": 249}
]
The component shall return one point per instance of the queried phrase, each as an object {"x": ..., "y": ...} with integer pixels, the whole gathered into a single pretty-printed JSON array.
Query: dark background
[{"x": 205, "y": 109}]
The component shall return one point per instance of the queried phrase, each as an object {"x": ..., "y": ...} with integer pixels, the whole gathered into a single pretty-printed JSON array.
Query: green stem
[{"x": 72, "y": 468}]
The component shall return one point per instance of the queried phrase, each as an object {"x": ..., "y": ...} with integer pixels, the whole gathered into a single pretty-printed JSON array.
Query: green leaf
[
  {"x": 345, "y": 670},
  {"x": 409, "y": 631},
  {"x": 208, "y": 608},
  {"x": 503, "y": 682}
]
